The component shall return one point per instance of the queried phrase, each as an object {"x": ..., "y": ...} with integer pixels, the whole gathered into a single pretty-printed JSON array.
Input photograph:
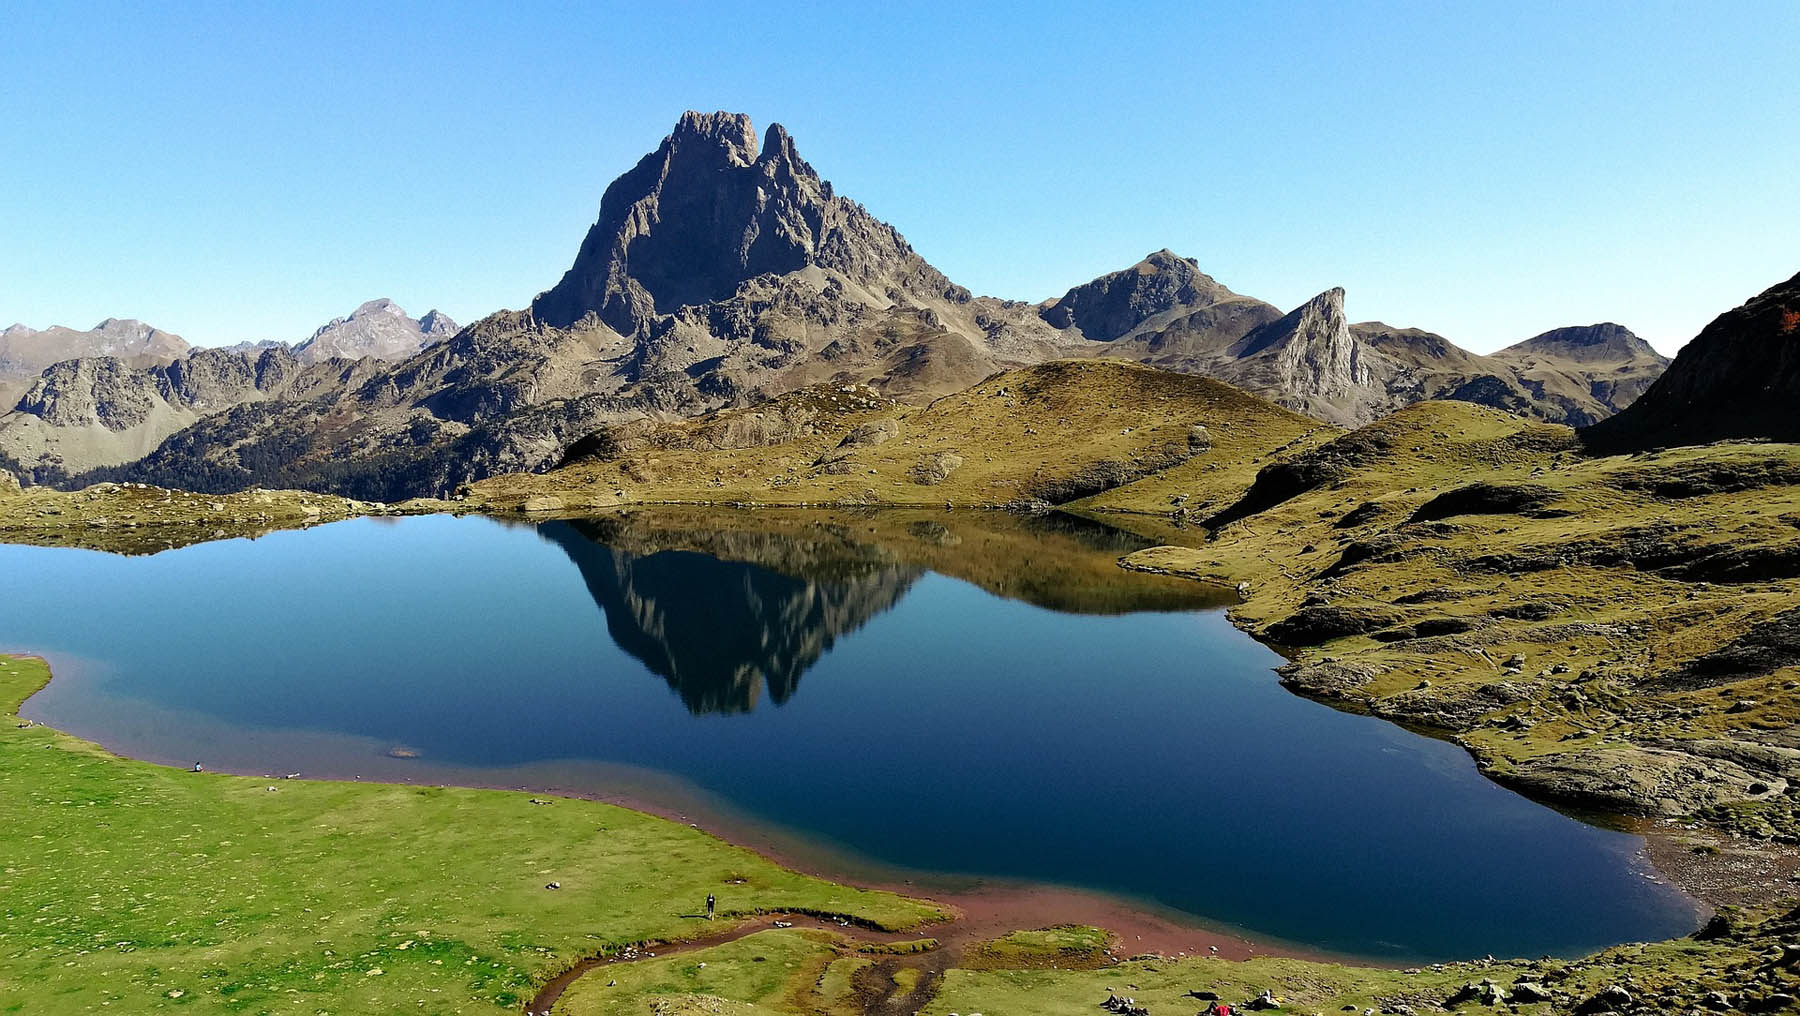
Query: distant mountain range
[
  {"x": 379, "y": 328},
  {"x": 112, "y": 394},
  {"x": 721, "y": 270},
  {"x": 25, "y": 352}
]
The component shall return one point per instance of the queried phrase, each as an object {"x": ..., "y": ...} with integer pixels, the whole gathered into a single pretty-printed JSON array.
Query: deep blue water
[{"x": 840, "y": 690}]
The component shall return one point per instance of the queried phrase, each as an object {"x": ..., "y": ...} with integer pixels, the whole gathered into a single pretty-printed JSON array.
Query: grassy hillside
[
  {"x": 1049, "y": 973},
  {"x": 137, "y": 888},
  {"x": 1045, "y": 434},
  {"x": 1609, "y": 631},
  {"x": 1614, "y": 631}
]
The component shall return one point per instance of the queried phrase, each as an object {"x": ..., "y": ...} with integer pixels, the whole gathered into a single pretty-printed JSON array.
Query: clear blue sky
[{"x": 1487, "y": 171}]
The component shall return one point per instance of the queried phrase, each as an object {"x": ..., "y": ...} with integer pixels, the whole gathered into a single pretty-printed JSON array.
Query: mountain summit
[
  {"x": 709, "y": 210},
  {"x": 1602, "y": 343},
  {"x": 1118, "y": 303},
  {"x": 723, "y": 270},
  {"x": 25, "y": 351},
  {"x": 378, "y": 328}
]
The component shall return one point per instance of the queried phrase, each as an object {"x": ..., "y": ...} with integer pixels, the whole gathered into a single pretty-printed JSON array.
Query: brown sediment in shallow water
[
  {"x": 1718, "y": 869},
  {"x": 990, "y": 908}
]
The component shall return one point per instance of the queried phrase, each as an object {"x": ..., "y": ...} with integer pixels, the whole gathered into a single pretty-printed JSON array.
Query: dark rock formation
[
  {"x": 721, "y": 630},
  {"x": 707, "y": 211},
  {"x": 1115, "y": 304},
  {"x": 1739, "y": 378},
  {"x": 1484, "y": 498}
]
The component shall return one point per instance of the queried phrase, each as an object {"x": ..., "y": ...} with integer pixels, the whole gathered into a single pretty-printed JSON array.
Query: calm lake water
[{"x": 969, "y": 694}]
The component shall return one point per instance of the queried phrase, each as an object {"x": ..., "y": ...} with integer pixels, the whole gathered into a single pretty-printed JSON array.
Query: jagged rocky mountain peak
[
  {"x": 1320, "y": 320},
  {"x": 731, "y": 134},
  {"x": 436, "y": 322},
  {"x": 379, "y": 328},
  {"x": 1115, "y": 304},
  {"x": 708, "y": 212}
]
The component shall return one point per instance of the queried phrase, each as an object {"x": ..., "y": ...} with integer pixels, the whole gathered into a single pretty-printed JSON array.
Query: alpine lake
[{"x": 949, "y": 697}]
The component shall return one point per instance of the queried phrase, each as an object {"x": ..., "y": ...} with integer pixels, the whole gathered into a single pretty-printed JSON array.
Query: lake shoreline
[
  {"x": 988, "y": 907},
  {"x": 1138, "y": 923}
]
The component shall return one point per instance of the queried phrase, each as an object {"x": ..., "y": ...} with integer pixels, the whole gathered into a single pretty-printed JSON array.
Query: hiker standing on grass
[{"x": 711, "y": 902}]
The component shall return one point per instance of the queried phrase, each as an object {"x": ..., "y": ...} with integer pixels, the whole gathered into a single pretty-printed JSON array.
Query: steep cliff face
[
  {"x": 709, "y": 210},
  {"x": 1739, "y": 378},
  {"x": 1310, "y": 362}
]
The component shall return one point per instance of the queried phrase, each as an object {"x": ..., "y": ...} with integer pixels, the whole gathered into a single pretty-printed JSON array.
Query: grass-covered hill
[
  {"x": 1041, "y": 435},
  {"x": 1612, "y": 631},
  {"x": 1616, "y": 632}
]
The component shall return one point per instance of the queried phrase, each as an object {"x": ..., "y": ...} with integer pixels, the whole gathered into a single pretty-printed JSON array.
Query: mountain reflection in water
[
  {"x": 723, "y": 614},
  {"x": 986, "y": 696}
]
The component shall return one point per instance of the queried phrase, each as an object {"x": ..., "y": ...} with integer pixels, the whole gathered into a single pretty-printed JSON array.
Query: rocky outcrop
[
  {"x": 1114, "y": 305},
  {"x": 1311, "y": 361},
  {"x": 26, "y": 352},
  {"x": 379, "y": 328},
  {"x": 1637, "y": 780},
  {"x": 1739, "y": 378}
]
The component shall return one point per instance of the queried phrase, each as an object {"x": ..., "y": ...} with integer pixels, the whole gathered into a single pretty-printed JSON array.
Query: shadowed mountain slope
[{"x": 1739, "y": 378}]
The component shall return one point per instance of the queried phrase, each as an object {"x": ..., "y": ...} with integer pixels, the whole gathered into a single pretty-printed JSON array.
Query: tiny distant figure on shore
[{"x": 711, "y": 903}]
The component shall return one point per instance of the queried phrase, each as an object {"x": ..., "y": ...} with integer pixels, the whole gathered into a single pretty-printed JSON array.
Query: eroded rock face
[
  {"x": 1739, "y": 378},
  {"x": 101, "y": 390},
  {"x": 1311, "y": 358},
  {"x": 107, "y": 391},
  {"x": 99, "y": 411},
  {"x": 707, "y": 211}
]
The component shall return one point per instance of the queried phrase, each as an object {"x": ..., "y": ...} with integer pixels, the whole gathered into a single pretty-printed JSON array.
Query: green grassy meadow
[{"x": 130, "y": 887}]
